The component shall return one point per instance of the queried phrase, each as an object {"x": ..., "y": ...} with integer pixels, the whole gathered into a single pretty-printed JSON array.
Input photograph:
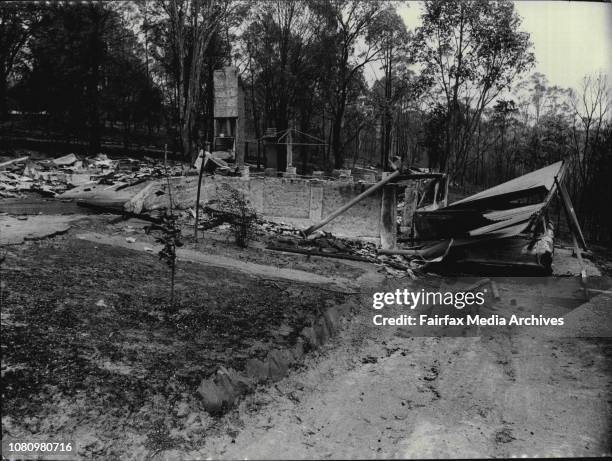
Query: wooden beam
[
  {"x": 583, "y": 276},
  {"x": 604, "y": 292},
  {"x": 351, "y": 203},
  {"x": 437, "y": 251},
  {"x": 570, "y": 214},
  {"x": 15, "y": 160},
  {"x": 317, "y": 253}
]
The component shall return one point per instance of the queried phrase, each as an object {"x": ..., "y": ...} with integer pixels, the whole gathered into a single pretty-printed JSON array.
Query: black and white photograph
[{"x": 305, "y": 229}]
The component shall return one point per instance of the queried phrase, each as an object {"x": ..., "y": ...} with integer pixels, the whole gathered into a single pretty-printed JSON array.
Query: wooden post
[
  {"x": 583, "y": 275},
  {"x": 435, "y": 194},
  {"x": 446, "y": 181},
  {"x": 289, "y": 148},
  {"x": 388, "y": 214},
  {"x": 572, "y": 219},
  {"x": 197, "y": 204},
  {"x": 406, "y": 216},
  {"x": 574, "y": 225}
]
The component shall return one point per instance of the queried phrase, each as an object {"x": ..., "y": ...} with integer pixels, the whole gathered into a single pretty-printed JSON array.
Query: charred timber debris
[{"x": 502, "y": 227}]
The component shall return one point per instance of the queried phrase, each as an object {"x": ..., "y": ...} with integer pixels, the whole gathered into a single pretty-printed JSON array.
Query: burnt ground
[
  {"x": 90, "y": 340},
  {"x": 93, "y": 351}
]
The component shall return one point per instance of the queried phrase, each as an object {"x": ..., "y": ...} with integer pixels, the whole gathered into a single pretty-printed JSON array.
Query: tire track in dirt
[{"x": 372, "y": 393}]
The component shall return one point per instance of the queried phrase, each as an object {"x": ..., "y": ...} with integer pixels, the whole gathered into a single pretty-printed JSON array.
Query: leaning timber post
[
  {"x": 576, "y": 232},
  {"x": 353, "y": 202},
  {"x": 197, "y": 204}
]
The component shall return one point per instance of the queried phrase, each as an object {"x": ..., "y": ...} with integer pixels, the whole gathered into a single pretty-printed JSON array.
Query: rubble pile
[
  {"x": 280, "y": 236},
  {"x": 51, "y": 177},
  {"x": 289, "y": 239},
  {"x": 11, "y": 184}
]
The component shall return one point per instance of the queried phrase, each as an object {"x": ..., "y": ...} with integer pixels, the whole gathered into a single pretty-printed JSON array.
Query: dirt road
[{"x": 374, "y": 393}]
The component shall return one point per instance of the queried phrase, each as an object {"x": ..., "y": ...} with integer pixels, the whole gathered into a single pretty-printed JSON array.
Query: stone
[
  {"x": 66, "y": 160},
  {"x": 257, "y": 370},
  {"x": 181, "y": 409},
  {"x": 224, "y": 382},
  {"x": 240, "y": 384},
  {"x": 214, "y": 398},
  {"x": 332, "y": 318},
  {"x": 278, "y": 366},
  {"x": 298, "y": 350},
  {"x": 221, "y": 392},
  {"x": 310, "y": 336},
  {"x": 287, "y": 356},
  {"x": 321, "y": 331},
  {"x": 343, "y": 309}
]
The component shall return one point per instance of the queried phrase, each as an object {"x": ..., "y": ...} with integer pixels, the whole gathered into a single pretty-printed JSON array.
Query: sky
[{"x": 570, "y": 38}]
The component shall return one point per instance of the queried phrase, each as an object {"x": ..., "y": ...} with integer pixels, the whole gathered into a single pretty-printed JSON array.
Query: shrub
[{"x": 233, "y": 207}]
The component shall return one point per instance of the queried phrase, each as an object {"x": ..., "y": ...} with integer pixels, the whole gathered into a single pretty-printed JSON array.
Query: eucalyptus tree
[
  {"x": 350, "y": 23},
  {"x": 470, "y": 51}
]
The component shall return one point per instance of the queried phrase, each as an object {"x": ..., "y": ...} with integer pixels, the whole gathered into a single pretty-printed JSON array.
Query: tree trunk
[
  {"x": 3, "y": 97},
  {"x": 336, "y": 141},
  {"x": 210, "y": 93},
  {"x": 95, "y": 48}
]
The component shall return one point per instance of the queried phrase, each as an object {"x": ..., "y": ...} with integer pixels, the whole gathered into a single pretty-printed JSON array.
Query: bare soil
[
  {"x": 380, "y": 392},
  {"x": 93, "y": 351},
  {"x": 91, "y": 344}
]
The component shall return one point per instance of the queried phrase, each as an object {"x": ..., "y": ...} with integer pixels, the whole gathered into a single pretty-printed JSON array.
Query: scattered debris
[
  {"x": 502, "y": 226},
  {"x": 52, "y": 177}
]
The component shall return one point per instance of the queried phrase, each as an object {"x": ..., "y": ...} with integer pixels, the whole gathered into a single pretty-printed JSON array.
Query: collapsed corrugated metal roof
[
  {"x": 505, "y": 224},
  {"x": 536, "y": 181},
  {"x": 501, "y": 211}
]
